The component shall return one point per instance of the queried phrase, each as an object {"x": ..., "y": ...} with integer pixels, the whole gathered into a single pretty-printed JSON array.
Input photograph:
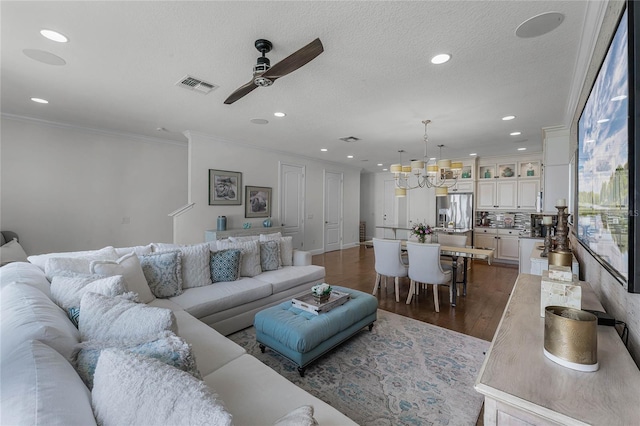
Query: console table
[
  {"x": 212, "y": 234},
  {"x": 521, "y": 386}
]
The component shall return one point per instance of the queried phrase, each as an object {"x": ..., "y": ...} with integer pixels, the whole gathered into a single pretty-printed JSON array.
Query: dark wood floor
[{"x": 477, "y": 314}]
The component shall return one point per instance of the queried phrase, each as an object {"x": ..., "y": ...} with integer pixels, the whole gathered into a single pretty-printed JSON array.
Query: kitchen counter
[{"x": 453, "y": 230}]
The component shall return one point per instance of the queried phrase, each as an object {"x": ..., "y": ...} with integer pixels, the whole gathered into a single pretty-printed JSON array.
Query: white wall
[
  {"x": 65, "y": 188},
  {"x": 261, "y": 168},
  {"x": 418, "y": 206},
  {"x": 612, "y": 294}
]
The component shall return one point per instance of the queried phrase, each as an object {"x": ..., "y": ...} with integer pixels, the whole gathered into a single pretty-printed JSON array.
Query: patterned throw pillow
[
  {"x": 225, "y": 265},
  {"x": 286, "y": 247},
  {"x": 166, "y": 347},
  {"x": 250, "y": 261},
  {"x": 195, "y": 262},
  {"x": 163, "y": 272},
  {"x": 74, "y": 315},
  {"x": 270, "y": 255}
]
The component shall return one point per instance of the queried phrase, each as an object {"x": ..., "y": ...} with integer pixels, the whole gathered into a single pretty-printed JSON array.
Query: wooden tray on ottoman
[{"x": 309, "y": 304}]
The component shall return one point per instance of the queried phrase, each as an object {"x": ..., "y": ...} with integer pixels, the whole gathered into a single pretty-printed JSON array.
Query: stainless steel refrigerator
[{"x": 456, "y": 208}]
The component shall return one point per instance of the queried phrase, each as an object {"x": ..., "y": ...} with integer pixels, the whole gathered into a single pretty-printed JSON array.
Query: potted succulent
[{"x": 321, "y": 292}]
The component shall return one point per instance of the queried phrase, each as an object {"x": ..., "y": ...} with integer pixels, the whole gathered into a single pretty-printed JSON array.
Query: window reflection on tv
[{"x": 603, "y": 160}]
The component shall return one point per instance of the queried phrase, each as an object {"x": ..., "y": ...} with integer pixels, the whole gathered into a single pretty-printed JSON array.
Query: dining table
[
  {"x": 453, "y": 252},
  {"x": 466, "y": 253}
]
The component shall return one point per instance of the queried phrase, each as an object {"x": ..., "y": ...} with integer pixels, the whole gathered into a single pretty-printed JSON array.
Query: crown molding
[{"x": 67, "y": 126}]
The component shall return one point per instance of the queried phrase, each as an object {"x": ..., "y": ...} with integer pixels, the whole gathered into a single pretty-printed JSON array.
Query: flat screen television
[{"x": 606, "y": 201}]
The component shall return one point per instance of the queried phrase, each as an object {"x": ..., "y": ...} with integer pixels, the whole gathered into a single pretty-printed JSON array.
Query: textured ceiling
[{"x": 374, "y": 80}]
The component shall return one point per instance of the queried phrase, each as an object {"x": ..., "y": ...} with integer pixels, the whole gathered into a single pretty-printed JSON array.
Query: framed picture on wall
[
  {"x": 258, "y": 201},
  {"x": 225, "y": 188}
]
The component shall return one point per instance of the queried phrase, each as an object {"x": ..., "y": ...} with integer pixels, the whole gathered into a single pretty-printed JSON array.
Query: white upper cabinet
[{"x": 508, "y": 184}]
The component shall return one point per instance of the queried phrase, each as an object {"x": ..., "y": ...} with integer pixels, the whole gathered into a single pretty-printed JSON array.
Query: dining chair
[
  {"x": 452, "y": 241},
  {"x": 425, "y": 268},
  {"x": 388, "y": 263}
]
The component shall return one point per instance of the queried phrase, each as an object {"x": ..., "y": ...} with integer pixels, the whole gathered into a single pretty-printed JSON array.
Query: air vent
[
  {"x": 195, "y": 84},
  {"x": 349, "y": 139}
]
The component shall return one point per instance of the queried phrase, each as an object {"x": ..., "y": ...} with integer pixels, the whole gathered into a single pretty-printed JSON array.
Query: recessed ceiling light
[
  {"x": 473, "y": 154},
  {"x": 324, "y": 149},
  {"x": 522, "y": 149},
  {"x": 602, "y": 120},
  {"x": 279, "y": 114},
  {"x": 619, "y": 98},
  {"x": 379, "y": 164},
  {"x": 432, "y": 158},
  {"x": 515, "y": 133},
  {"x": 440, "y": 59},
  {"x": 54, "y": 36},
  {"x": 259, "y": 121},
  {"x": 384, "y": 170},
  {"x": 508, "y": 117},
  {"x": 349, "y": 156},
  {"x": 40, "y": 100}
]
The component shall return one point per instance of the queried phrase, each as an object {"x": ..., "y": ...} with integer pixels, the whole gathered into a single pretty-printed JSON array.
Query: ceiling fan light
[{"x": 442, "y": 191}]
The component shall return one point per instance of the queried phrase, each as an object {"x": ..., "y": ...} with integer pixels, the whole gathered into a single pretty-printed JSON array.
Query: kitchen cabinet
[
  {"x": 486, "y": 196},
  {"x": 497, "y": 195},
  {"x": 485, "y": 238},
  {"x": 466, "y": 177},
  {"x": 528, "y": 193},
  {"x": 529, "y": 170},
  {"x": 526, "y": 246},
  {"x": 503, "y": 241},
  {"x": 506, "y": 195},
  {"x": 508, "y": 184},
  {"x": 461, "y": 186},
  {"x": 507, "y": 246}
]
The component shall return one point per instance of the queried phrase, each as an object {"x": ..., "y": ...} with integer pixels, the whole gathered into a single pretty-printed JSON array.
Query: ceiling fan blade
[
  {"x": 240, "y": 92},
  {"x": 295, "y": 60}
]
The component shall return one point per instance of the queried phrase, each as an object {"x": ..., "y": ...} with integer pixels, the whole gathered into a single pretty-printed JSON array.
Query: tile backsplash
[{"x": 520, "y": 220}]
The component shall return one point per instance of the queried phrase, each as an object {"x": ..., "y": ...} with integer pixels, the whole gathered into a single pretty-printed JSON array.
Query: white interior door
[
  {"x": 389, "y": 208},
  {"x": 332, "y": 211},
  {"x": 292, "y": 192}
]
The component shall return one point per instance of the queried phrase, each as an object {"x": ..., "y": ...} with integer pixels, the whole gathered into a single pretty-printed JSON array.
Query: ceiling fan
[{"x": 264, "y": 74}]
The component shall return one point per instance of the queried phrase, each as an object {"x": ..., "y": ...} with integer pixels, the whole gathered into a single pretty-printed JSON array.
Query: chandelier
[{"x": 441, "y": 174}]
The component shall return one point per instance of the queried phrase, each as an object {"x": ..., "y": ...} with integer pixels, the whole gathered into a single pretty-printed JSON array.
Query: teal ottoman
[{"x": 303, "y": 337}]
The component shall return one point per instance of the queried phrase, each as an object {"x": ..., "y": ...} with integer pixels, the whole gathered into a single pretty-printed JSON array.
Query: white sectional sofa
[{"x": 39, "y": 388}]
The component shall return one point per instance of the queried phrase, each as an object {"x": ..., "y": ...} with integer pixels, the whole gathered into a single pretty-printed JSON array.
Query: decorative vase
[
  {"x": 424, "y": 238},
  {"x": 267, "y": 223},
  {"x": 222, "y": 223}
]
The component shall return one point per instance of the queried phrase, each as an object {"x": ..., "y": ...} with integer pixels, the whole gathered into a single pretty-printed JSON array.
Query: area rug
[{"x": 403, "y": 372}]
